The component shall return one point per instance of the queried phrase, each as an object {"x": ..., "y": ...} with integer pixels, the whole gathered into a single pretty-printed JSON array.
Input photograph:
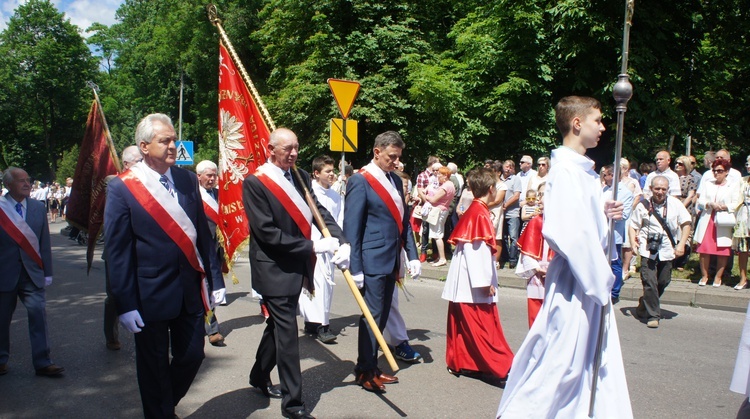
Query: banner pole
[{"x": 213, "y": 17}]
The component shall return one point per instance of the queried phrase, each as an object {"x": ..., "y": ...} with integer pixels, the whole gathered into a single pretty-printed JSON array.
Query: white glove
[
  {"x": 47, "y": 281},
  {"x": 415, "y": 268},
  {"x": 131, "y": 321},
  {"x": 220, "y": 296},
  {"x": 359, "y": 280},
  {"x": 341, "y": 258},
  {"x": 326, "y": 245}
]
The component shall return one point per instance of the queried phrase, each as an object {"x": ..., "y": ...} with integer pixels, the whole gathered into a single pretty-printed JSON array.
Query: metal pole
[
  {"x": 179, "y": 136},
  {"x": 91, "y": 85},
  {"x": 622, "y": 92}
]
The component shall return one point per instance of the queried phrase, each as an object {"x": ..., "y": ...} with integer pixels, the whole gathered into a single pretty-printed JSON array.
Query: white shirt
[
  {"x": 646, "y": 224},
  {"x": 672, "y": 177}
]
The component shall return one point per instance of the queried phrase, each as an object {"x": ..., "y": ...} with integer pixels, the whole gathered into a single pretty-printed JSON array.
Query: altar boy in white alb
[
  {"x": 552, "y": 371},
  {"x": 316, "y": 309}
]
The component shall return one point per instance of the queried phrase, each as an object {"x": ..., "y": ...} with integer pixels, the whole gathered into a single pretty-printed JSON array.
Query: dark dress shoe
[
  {"x": 216, "y": 340},
  {"x": 325, "y": 335},
  {"x": 113, "y": 346},
  {"x": 387, "y": 379},
  {"x": 268, "y": 389},
  {"x": 299, "y": 414},
  {"x": 370, "y": 382},
  {"x": 3, "y": 369},
  {"x": 51, "y": 370}
]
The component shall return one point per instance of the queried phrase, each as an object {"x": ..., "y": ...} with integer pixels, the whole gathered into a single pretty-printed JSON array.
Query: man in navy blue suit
[
  {"x": 159, "y": 255},
  {"x": 377, "y": 226}
]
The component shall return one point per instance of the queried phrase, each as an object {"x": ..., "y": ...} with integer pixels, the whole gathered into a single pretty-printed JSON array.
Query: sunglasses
[
  {"x": 679, "y": 163},
  {"x": 719, "y": 171}
]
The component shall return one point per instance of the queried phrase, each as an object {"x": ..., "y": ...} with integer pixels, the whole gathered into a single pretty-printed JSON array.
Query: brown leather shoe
[
  {"x": 387, "y": 379},
  {"x": 113, "y": 346},
  {"x": 370, "y": 382},
  {"x": 216, "y": 339},
  {"x": 3, "y": 369},
  {"x": 50, "y": 370}
]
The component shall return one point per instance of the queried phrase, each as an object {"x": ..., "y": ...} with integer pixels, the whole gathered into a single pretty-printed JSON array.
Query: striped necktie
[{"x": 165, "y": 182}]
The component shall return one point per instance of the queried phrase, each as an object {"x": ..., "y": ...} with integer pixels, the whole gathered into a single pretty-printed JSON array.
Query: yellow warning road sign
[
  {"x": 344, "y": 91},
  {"x": 343, "y": 136}
]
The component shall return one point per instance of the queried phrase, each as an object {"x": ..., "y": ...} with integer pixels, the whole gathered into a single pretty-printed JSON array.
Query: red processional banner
[
  {"x": 243, "y": 141},
  {"x": 85, "y": 208}
]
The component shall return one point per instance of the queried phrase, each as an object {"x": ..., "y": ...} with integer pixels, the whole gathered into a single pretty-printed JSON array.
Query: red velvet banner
[
  {"x": 85, "y": 208},
  {"x": 243, "y": 141}
]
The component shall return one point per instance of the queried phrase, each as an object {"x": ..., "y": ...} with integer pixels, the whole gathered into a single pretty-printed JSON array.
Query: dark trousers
[
  {"x": 511, "y": 230},
  {"x": 378, "y": 293},
  {"x": 163, "y": 383},
  {"x": 655, "y": 276},
  {"x": 111, "y": 326},
  {"x": 279, "y": 346},
  {"x": 32, "y": 297}
]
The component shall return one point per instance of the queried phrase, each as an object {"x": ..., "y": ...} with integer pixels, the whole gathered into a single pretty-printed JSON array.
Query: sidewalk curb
[{"x": 679, "y": 292}]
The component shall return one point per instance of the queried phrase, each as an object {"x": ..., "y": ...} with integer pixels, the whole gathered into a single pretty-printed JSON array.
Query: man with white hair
[
  {"x": 26, "y": 257},
  {"x": 159, "y": 258},
  {"x": 130, "y": 156},
  {"x": 733, "y": 176},
  {"x": 207, "y": 178},
  {"x": 525, "y": 175}
]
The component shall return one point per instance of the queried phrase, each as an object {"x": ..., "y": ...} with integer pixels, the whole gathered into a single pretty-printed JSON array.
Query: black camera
[{"x": 653, "y": 242}]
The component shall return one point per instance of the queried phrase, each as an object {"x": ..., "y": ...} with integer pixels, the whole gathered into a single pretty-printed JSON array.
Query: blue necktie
[
  {"x": 164, "y": 181},
  {"x": 19, "y": 209},
  {"x": 288, "y": 176}
]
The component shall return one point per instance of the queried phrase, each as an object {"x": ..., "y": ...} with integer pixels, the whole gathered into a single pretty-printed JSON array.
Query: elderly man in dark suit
[
  {"x": 282, "y": 263},
  {"x": 378, "y": 228},
  {"x": 159, "y": 257},
  {"x": 26, "y": 258},
  {"x": 207, "y": 178}
]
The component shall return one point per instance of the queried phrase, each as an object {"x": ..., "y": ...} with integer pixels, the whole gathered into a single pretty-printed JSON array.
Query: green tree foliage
[
  {"x": 44, "y": 65},
  {"x": 463, "y": 79}
]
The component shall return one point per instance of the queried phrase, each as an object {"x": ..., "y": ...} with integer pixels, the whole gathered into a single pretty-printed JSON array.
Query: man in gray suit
[{"x": 26, "y": 257}]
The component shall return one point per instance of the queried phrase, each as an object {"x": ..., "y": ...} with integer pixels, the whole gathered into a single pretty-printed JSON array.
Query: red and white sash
[
  {"x": 272, "y": 178},
  {"x": 19, "y": 231},
  {"x": 210, "y": 206},
  {"x": 386, "y": 191},
  {"x": 169, "y": 215}
]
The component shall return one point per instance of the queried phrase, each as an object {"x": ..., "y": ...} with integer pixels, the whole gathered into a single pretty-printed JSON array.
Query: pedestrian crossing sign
[{"x": 184, "y": 153}]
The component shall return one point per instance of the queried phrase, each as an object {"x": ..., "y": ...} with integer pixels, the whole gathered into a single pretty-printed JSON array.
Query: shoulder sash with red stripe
[
  {"x": 210, "y": 206},
  {"x": 303, "y": 223},
  {"x": 19, "y": 231},
  {"x": 170, "y": 217},
  {"x": 385, "y": 196}
]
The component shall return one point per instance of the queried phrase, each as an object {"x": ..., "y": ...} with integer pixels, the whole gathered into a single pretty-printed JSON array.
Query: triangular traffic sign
[{"x": 344, "y": 91}]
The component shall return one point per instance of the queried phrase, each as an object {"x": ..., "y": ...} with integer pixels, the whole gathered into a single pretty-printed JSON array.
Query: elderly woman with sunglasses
[
  {"x": 715, "y": 196},
  {"x": 741, "y": 239}
]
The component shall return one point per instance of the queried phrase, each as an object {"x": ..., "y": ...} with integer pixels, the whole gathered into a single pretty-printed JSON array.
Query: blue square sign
[{"x": 184, "y": 153}]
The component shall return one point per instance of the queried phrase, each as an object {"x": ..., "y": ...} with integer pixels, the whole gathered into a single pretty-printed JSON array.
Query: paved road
[{"x": 681, "y": 370}]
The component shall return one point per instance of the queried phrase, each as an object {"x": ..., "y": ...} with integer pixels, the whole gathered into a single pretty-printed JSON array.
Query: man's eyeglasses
[{"x": 719, "y": 171}]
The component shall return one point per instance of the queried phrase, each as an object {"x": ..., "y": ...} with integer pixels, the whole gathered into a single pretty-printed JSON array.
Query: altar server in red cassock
[{"x": 475, "y": 342}]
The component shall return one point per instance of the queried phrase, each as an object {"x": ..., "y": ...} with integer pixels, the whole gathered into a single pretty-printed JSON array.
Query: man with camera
[{"x": 659, "y": 229}]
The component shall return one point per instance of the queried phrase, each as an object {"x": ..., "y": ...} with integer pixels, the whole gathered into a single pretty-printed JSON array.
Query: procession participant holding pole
[
  {"x": 553, "y": 370},
  {"x": 282, "y": 258},
  {"x": 377, "y": 226}
]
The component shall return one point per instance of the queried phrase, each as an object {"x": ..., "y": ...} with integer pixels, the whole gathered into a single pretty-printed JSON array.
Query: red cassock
[{"x": 475, "y": 339}]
